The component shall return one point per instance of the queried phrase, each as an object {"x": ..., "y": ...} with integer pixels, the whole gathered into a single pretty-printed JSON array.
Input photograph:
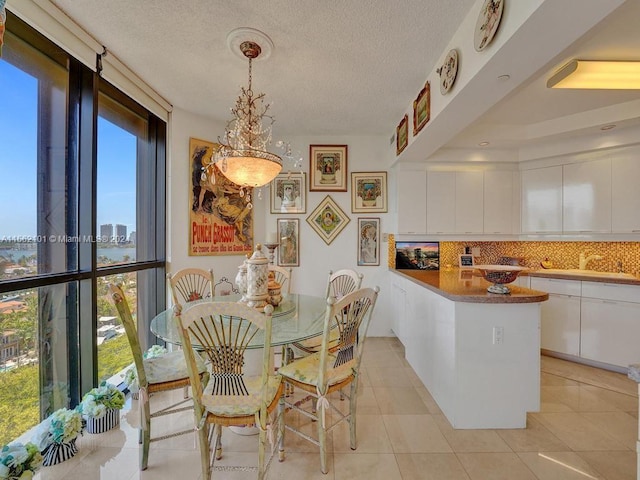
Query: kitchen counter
[
  {"x": 584, "y": 275},
  {"x": 478, "y": 353},
  {"x": 469, "y": 286}
]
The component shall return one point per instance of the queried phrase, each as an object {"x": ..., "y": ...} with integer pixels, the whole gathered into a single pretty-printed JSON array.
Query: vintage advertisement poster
[{"x": 220, "y": 219}]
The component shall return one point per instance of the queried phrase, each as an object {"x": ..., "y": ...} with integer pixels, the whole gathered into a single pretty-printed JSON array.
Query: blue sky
[{"x": 18, "y": 163}]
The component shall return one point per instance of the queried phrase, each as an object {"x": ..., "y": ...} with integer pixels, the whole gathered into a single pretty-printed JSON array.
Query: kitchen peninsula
[{"x": 478, "y": 353}]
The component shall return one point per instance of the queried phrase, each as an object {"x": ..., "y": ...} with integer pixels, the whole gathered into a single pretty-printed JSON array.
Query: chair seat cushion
[
  {"x": 170, "y": 367},
  {"x": 306, "y": 370},
  {"x": 240, "y": 405}
]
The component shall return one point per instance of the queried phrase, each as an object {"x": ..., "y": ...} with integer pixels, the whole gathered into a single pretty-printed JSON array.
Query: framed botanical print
[
  {"x": 368, "y": 241},
  {"x": 422, "y": 108},
  {"x": 328, "y": 220},
  {"x": 402, "y": 135},
  {"x": 327, "y": 168},
  {"x": 288, "y": 193},
  {"x": 289, "y": 248},
  {"x": 368, "y": 192}
]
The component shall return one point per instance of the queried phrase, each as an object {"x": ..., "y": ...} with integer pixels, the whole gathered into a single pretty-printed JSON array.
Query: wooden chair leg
[
  {"x": 262, "y": 449},
  {"x": 205, "y": 453},
  {"x": 322, "y": 439},
  {"x": 281, "y": 428},
  {"x": 145, "y": 427},
  {"x": 352, "y": 413},
  {"x": 218, "y": 442}
]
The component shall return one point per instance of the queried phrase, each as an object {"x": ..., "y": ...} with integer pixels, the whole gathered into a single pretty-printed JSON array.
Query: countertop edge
[
  {"x": 532, "y": 296},
  {"x": 582, "y": 278}
]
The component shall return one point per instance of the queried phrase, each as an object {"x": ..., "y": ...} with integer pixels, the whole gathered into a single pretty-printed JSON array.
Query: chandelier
[{"x": 243, "y": 157}]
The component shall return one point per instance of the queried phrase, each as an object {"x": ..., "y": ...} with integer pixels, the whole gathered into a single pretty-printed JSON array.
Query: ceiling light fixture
[
  {"x": 608, "y": 127},
  {"x": 596, "y": 74},
  {"x": 243, "y": 157},
  {"x": 483, "y": 144}
]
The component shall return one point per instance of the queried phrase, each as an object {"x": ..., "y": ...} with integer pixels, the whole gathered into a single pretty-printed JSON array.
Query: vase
[
  {"x": 58, "y": 452},
  {"x": 106, "y": 422}
]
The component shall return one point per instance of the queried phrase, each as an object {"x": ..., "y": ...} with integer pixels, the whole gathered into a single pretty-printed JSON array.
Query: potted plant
[
  {"x": 131, "y": 376},
  {"x": 19, "y": 462},
  {"x": 101, "y": 406},
  {"x": 56, "y": 436}
]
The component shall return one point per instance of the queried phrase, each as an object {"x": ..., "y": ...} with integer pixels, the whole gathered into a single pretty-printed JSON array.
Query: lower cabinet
[
  {"x": 610, "y": 331},
  {"x": 560, "y": 324}
]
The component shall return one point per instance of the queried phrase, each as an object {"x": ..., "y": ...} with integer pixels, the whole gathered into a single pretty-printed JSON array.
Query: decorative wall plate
[
  {"x": 448, "y": 71},
  {"x": 487, "y": 23}
]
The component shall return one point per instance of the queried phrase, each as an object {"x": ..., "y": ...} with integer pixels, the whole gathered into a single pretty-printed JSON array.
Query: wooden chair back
[
  {"x": 283, "y": 277},
  {"x": 190, "y": 284},
  {"x": 343, "y": 282}
]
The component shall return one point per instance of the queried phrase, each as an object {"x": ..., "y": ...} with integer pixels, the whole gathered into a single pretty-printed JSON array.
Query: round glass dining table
[{"x": 297, "y": 318}]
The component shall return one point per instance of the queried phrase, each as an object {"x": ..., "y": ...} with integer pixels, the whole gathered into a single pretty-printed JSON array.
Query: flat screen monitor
[{"x": 418, "y": 255}]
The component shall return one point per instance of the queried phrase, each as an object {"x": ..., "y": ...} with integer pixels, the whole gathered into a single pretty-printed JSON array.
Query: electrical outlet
[
  {"x": 498, "y": 335},
  {"x": 475, "y": 251}
]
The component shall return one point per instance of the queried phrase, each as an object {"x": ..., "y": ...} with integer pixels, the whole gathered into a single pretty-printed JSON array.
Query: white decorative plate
[
  {"x": 487, "y": 23},
  {"x": 448, "y": 71}
]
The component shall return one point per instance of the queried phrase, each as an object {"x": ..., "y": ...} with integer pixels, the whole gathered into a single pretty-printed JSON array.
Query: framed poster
[
  {"x": 418, "y": 255},
  {"x": 368, "y": 192},
  {"x": 368, "y": 241},
  {"x": 220, "y": 220},
  {"x": 327, "y": 168},
  {"x": 328, "y": 220},
  {"x": 288, "y": 193},
  {"x": 402, "y": 135},
  {"x": 289, "y": 248},
  {"x": 422, "y": 108}
]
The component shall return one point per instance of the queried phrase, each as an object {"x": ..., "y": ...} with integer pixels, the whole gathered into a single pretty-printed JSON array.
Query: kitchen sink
[{"x": 590, "y": 273}]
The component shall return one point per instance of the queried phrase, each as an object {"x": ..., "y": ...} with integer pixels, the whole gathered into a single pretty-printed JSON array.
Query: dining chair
[
  {"x": 158, "y": 374},
  {"x": 324, "y": 372},
  {"x": 190, "y": 284},
  {"x": 339, "y": 284},
  {"x": 283, "y": 277},
  {"x": 223, "y": 332}
]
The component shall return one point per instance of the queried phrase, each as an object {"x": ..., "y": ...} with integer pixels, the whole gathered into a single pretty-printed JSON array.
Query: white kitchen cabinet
[
  {"x": 469, "y": 193},
  {"x": 560, "y": 319},
  {"x": 586, "y": 197},
  {"x": 412, "y": 201},
  {"x": 498, "y": 201},
  {"x": 610, "y": 331},
  {"x": 399, "y": 305},
  {"x": 541, "y": 198},
  {"x": 625, "y": 195},
  {"x": 441, "y": 202}
]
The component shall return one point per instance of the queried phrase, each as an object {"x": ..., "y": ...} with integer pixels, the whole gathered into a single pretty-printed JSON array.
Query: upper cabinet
[
  {"x": 412, "y": 201},
  {"x": 498, "y": 201},
  {"x": 469, "y": 202},
  {"x": 542, "y": 200},
  {"x": 625, "y": 195},
  {"x": 441, "y": 202},
  {"x": 586, "y": 197}
]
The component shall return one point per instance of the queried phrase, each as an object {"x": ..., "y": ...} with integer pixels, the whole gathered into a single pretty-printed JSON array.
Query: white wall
[{"x": 316, "y": 258}]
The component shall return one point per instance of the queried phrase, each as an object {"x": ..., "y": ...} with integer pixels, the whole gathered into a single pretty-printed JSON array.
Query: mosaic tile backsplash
[{"x": 617, "y": 256}]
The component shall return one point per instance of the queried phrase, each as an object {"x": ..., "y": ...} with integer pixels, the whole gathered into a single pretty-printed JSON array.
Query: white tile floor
[{"x": 586, "y": 429}]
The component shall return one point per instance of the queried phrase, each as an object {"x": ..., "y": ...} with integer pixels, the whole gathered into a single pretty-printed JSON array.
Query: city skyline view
[{"x": 116, "y": 172}]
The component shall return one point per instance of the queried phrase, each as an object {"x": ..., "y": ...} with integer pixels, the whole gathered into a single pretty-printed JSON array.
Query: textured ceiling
[{"x": 338, "y": 67}]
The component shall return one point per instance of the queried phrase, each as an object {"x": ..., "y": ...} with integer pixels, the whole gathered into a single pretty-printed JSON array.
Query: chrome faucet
[{"x": 585, "y": 260}]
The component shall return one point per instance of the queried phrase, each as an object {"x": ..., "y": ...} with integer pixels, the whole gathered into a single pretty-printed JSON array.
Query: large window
[{"x": 82, "y": 205}]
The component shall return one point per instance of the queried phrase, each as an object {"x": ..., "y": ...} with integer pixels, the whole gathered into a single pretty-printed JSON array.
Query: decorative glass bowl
[{"x": 499, "y": 276}]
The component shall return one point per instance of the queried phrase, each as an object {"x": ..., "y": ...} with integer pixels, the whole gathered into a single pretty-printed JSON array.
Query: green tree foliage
[{"x": 19, "y": 409}]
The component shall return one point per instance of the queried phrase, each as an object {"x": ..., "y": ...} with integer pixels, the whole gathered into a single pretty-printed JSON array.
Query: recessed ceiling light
[
  {"x": 608, "y": 127},
  {"x": 504, "y": 78},
  {"x": 483, "y": 144}
]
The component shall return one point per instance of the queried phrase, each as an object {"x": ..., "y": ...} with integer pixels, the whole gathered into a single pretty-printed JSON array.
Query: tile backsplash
[{"x": 561, "y": 254}]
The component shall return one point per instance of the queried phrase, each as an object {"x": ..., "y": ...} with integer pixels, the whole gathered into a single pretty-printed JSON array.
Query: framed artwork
[
  {"x": 402, "y": 135},
  {"x": 220, "y": 220},
  {"x": 368, "y": 192},
  {"x": 288, "y": 193},
  {"x": 327, "y": 168},
  {"x": 418, "y": 255},
  {"x": 465, "y": 261},
  {"x": 289, "y": 248},
  {"x": 422, "y": 108},
  {"x": 328, "y": 220},
  {"x": 368, "y": 241},
  {"x": 487, "y": 23}
]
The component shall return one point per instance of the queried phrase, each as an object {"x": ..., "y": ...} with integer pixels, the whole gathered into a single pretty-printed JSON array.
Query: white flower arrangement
[
  {"x": 131, "y": 376},
  {"x": 61, "y": 426},
  {"x": 18, "y": 461},
  {"x": 97, "y": 401}
]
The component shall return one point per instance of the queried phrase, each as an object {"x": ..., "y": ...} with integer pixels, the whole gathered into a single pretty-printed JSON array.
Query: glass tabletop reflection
[{"x": 297, "y": 318}]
